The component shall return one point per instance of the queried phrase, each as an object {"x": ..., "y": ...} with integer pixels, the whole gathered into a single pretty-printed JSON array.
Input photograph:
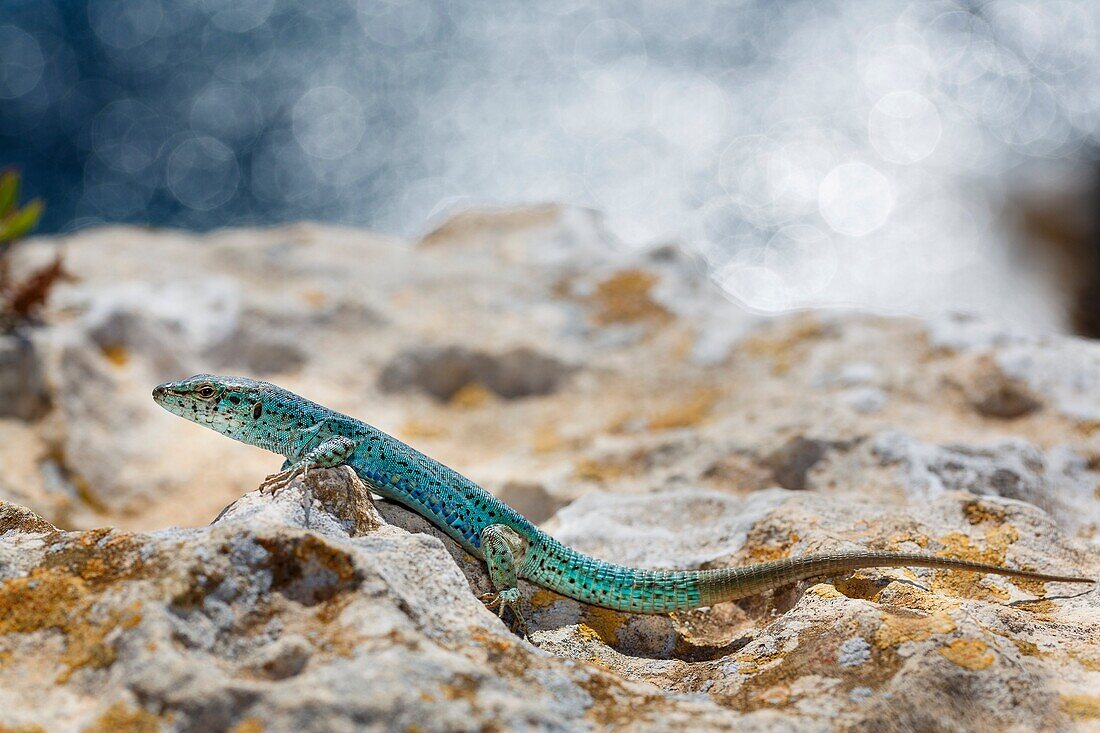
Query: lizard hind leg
[
  {"x": 503, "y": 549},
  {"x": 329, "y": 454}
]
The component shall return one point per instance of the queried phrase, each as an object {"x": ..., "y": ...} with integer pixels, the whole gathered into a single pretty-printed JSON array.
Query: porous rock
[
  {"x": 654, "y": 442},
  {"x": 277, "y": 618}
]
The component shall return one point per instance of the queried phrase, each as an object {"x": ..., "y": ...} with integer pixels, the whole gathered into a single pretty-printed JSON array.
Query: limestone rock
[
  {"x": 277, "y": 618},
  {"x": 305, "y": 611},
  {"x": 432, "y": 342},
  {"x": 1058, "y": 481},
  {"x": 23, "y": 392},
  {"x": 612, "y": 394}
]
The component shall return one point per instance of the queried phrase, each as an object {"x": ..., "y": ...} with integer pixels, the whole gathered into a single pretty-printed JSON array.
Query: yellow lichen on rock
[
  {"x": 1091, "y": 663},
  {"x": 413, "y": 428},
  {"x": 53, "y": 599},
  {"x": 783, "y": 347},
  {"x": 248, "y": 725},
  {"x": 690, "y": 412},
  {"x": 471, "y": 396},
  {"x": 897, "y": 628},
  {"x": 624, "y": 297},
  {"x": 972, "y": 654},
  {"x": 604, "y": 469},
  {"x": 751, "y": 663},
  {"x": 894, "y": 540},
  {"x": 546, "y": 439},
  {"x": 825, "y": 590},
  {"x": 121, "y": 718},
  {"x": 968, "y": 584},
  {"x": 604, "y": 622},
  {"x": 859, "y": 585},
  {"x": 978, "y": 511},
  {"x": 1081, "y": 707},
  {"x": 1041, "y": 607},
  {"x": 1027, "y": 648},
  {"x": 117, "y": 354},
  {"x": 45, "y": 599},
  {"x": 766, "y": 552},
  {"x": 542, "y": 598},
  {"x": 87, "y": 644},
  {"x": 30, "y": 728}
]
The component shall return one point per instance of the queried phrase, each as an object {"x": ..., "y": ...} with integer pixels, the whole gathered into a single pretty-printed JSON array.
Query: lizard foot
[
  {"x": 276, "y": 482},
  {"x": 329, "y": 454},
  {"x": 507, "y": 600}
]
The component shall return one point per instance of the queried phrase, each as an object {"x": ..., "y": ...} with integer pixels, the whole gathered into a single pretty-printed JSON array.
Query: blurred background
[{"x": 906, "y": 157}]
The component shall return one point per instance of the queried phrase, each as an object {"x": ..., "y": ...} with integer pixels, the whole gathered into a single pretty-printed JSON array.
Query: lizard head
[{"x": 232, "y": 406}]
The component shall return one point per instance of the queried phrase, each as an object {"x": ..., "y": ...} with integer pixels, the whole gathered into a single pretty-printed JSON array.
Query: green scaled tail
[
  {"x": 634, "y": 590},
  {"x": 730, "y": 584}
]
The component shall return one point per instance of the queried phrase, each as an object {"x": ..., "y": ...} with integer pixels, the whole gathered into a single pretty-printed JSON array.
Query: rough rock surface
[
  {"x": 281, "y": 616},
  {"x": 609, "y": 393}
]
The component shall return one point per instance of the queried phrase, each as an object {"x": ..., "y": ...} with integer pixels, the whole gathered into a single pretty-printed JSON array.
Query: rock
[
  {"x": 879, "y": 648},
  {"x": 530, "y": 499},
  {"x": 1064, "y": 370},
  {"x": 967, "y": 332},
  {"x": 23, "y": 392},
  {"x": 14, "y": 518},
  {"x": 1027, "y": 369},
  {"x": 491, "y": 309},
  {"x": 274, "y": 618},
  {"x": 301, "y": 602},
  {"x": 443, "y": 371},
  {"x": 791, "y": 462},
  {"x": 1058, "y": 481},
  {"x": 264, "y": 352},
  {"x": 642, "y": 530},
  {"x": 615, "y": 396},
  {"x": 865, "y": 400},
  {"x": 198, "y": 310},
  {"x": 994, "y": 393},
  {"x": 852, "y": 374}
]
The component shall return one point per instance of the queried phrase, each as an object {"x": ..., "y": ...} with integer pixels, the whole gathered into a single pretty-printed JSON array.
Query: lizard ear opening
[{"x": 257, "y": 410}]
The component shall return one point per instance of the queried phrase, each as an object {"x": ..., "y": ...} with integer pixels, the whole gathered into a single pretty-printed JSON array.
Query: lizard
[{"x": 309, "y": 435}]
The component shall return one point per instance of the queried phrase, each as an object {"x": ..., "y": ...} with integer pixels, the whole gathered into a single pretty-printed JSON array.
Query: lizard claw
[
  {"x": 276, "y": 482},
  {"x": 506, "y": 600}
]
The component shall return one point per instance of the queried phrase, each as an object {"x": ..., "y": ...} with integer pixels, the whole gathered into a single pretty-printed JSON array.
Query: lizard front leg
[
  {"x": 503, "y": 549},
  {"x": 329, "y": 454}
]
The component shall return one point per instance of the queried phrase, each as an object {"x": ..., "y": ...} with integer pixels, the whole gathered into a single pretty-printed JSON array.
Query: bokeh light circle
[
  {"x": 855, "y": 199},
  {"x": 125, "y": 24},
  {"x": 228, "y": 112},
  {"x": 21, "y": 62},
  {"x": 328, "y": 122},
  {"x": 396, "y": 22},
  {"x": 610, "y": 54},
  {"x": 127, "y": 135},
  {"x": 904, "y": 127},
  {"x": 238, "y": 16},
  {"x": 202, "y": 173}
]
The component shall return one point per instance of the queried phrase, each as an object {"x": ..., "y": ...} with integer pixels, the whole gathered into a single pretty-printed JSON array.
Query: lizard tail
[{"x": 728, "y": 584}]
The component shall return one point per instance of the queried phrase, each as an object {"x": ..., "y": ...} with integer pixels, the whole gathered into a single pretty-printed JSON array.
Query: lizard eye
[{"x": 206, "y": 391}]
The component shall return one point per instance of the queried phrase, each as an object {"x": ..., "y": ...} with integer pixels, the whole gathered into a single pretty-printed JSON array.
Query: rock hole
[
  {"x": 310, "y": 571},
  {"x": 443, "y": 371}
]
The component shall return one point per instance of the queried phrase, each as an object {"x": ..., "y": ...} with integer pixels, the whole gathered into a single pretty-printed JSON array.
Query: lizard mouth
[{"x": 164, "y": 390}]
